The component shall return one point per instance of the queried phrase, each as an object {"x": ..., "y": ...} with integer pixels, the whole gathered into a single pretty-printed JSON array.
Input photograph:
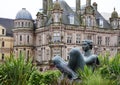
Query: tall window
[
  {"x": 71, "y": 19},
  {"x": 107, "y": 41},
  {"x": 101, "y": 23},
  {"x": 56, "y": 18},
  {"x": 3, "y": 31},
  {"x": 22, "y": 24},
  {"x": 88, "y": 21},
  {"x": 114, "y": 24},
  {"x": 89, "y": 37},
  {"x": 20, "y": 38},
  {"x": 69, "y": 38},
  {"x": 28, "y": 39},
  {"x": 3, "y": 44},
  {"x": 28, "y": 55},
  {"x": 99, "y": 40},
  {"x": 78, "y": 38},
  {"x": 3, "y": 56},
  {"x": 56, "y": 37}
]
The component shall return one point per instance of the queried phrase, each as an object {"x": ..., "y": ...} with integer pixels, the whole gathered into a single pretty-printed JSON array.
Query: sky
[{"x": 9, "y": 8}]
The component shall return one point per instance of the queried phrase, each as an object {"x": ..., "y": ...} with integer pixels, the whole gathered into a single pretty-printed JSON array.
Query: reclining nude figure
[{"x": 77, "y": 60}]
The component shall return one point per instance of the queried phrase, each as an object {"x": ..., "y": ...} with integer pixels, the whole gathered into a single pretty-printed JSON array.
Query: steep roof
[
  {"x": 8, "y": 24},
  {"x": 99, "y": 16},
  {"x": 67, "y": 11}
]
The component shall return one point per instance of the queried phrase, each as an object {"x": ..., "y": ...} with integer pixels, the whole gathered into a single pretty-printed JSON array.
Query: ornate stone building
[
  {"x": 6, "y": 43},
  {"x": 58, "y": 29}
]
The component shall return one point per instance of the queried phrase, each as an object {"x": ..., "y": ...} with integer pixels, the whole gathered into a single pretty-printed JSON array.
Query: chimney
[
  {"x": 88, "y": 3},
  {"x": 78, "y": 5},
  {"x": 95, "y": 5}
]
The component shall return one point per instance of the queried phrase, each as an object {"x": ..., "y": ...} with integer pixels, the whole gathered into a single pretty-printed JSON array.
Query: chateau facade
[
  {"x": 58, "y": 28},
  {"x": 6, "y": 44}
]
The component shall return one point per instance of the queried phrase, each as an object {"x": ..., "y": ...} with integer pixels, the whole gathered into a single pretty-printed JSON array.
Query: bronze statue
[{"x": 77, "y": 60}]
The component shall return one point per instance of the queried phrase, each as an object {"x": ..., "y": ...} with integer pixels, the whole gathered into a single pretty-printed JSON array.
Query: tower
[
  {"x": 23, "y": 34},
  {"x": 114, "y": 19},
  {"x": 78, "y": 5}
]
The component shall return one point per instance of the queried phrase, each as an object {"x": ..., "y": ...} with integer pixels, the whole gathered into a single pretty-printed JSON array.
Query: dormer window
[
  {"x": 89, "y": 21},
  {"x": 56, "y": 18},
  {"x": 101, "y": 24},
  {"x": 71, "y": 19},
  {"x": 114, "y": 24},
  {"x": 3, "y": 31}
]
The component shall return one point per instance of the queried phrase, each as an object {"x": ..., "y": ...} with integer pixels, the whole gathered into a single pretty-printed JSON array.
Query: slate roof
[
  {"x": 8, "y": 24},
  {"x": 106, "y": 24},
  {"x": 67, "y": 11},
  {"x": 24, "y": 14}
]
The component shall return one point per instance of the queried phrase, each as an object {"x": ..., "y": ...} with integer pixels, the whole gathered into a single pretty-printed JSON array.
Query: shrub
[{"x": 15, "y": 71}]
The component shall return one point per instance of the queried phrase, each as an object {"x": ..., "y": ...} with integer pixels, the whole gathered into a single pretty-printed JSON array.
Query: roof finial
[{"x": 114, "y": 8}]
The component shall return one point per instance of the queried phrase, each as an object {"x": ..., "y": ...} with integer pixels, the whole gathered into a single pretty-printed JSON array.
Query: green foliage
[
  {"x": 111, "y": 70},
  {"x": 18, "y": 72},
  {"x": 44, "y": 78},
  {"x": 36, "y": 78},
  {"x": 93, "y": 78},
  {"x": 15, "y": 71}
]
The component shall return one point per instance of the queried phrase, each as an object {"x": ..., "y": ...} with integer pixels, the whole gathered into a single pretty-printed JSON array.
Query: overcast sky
[{"x": 9, "y": 8}]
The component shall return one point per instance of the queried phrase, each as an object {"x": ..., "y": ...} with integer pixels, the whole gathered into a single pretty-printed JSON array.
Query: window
[
  {"x": 3, "y": 56},
  {"x": 99, "y": 40},
  {"x": 22, "y": 24},
  {"x": 29, "y": 24},
  {"x": 107, "y": 41},
  {"x": 26, "y": 24},
  {"x": 56, "y": 52},
  {"x": 78, "y": 38},
  {"x": 56, "y": 37},
  {"x": 56, "y": 18},
  {"x": 69, "y": 38},
  {"x": 71, "y": 19},
  {"x": 18, "y": 24},
  {"x": 88, "y": 21},
  {"x": 101, "y": 24},
  {"x": 28, "y": 55},
  {"x": 20, "y": 38},
  {"x": 3, "y": 44},
  {"x": 3, "y": 31},
  {"x": 28, "y": 39},
  {"x": 89, "y": 37},
  {"x": 114, "y": 24}
]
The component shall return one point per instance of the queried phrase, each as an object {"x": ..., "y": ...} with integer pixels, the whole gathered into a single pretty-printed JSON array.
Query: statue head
[{"x": 87, "y": 45}]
